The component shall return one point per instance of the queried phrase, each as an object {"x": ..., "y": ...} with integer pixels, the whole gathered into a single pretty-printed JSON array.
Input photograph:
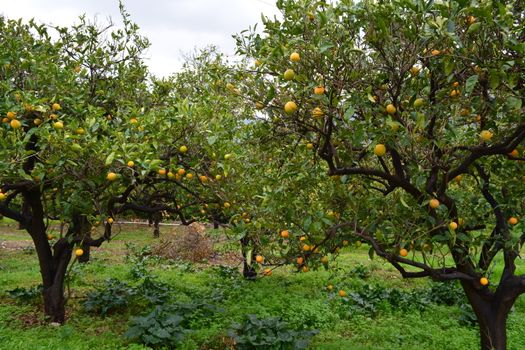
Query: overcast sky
[{"x": 174, "y": 27}]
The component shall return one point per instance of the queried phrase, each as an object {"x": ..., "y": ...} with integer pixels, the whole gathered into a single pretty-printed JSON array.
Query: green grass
[{"x": 299, "y": 298}]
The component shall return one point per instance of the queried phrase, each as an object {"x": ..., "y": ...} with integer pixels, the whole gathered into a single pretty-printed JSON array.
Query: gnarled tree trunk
[
  {"x": 53, "y": 266},
  {"x": 492, "y": 311}
]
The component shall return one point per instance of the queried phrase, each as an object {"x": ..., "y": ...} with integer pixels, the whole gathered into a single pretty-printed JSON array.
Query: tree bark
[
  {"x": 248, "y": 271},
  {"x": 156, "y": 220},
  {"x": 53, "y": 265},
  {"x": 82, "y": 228},
  {"x": 492, "y": 311}
]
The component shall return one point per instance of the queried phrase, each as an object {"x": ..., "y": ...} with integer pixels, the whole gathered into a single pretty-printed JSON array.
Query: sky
[{"x": 174, "y": 27}]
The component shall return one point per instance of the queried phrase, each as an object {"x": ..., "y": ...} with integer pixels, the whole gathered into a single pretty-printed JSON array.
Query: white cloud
[{"x": 173, "y": 26}]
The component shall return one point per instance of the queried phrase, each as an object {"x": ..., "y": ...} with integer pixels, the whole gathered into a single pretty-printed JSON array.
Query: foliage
[
  {"x": 26, "y": 295},
  {"x": 167, "y": 325},
  {"x": 268, "y": 333},
  {"x": 112, "y": 296}
]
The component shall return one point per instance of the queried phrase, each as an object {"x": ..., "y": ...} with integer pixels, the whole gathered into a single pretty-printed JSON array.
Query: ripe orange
[
  {"x": 433, "y": 203},
  {"x": 513, "y": 220},
  {"x": 514, "y": 153},
  {"x": 285, "y": 234},
  {"x": 290, "y": 107},
  {"x": 415, "y": 70},
  {"x": 15, "y": 124},
  {"x": 391, "y": 109},
  {"x": 181, "y": 171},
  {"x": 58, "y": 125},
  {"x": 56, "y": 107},
  {"x": 305, "y": 268},
  {"x": 267, "y": 272},
  {"x": 11, "y": 115},
  {"x": 380, "y": 150},
  {"x": 435, "y": 52},
  {"x": 300, "y": 260},
  {"x": 259, "y": 259},
  {"x": 162, "y": 172},
  {"x": 453, "y": 225},
  {"x": 483, "y": 281},
  {"x": 79, "y": 252},
  {"x": 403, "y": 252},
  {"x": 486, "y": 135},
  {"x": 458, "y": 178},
  {"x": 306, "y": 248},
  {"x": 111, "y": 176},
  {"x": 131, "y": 164},
  {"x": 319, "y": 90},
  {"x": 317, "y": 112},
  {"x": 295, "y": 57},
  {"x": 203, "y": 178},
  {"x": 342, "y": 293},
  {"x": 189, "y": 176}
]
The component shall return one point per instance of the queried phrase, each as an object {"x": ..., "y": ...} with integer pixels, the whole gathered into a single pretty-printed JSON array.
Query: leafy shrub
[
  {"x": 448, "y": 293},
  {"x": 27, "y": 295},
  {"x": 467, "y": 317},
  {"x": 154, "y": 292},
  {"x": 360, "y": 271},
  {"x": 159, "y": 328},
  {"x": 370, "y": 299},
  {"x": 112, "y": 296},
  {"x": 138, "y": 258},
  {"x": 270, "y": 334},
  {"x": 168, "y": 325}
]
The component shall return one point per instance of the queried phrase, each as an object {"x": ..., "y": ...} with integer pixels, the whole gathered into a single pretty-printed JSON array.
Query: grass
[{"x": 299, "y": 298}]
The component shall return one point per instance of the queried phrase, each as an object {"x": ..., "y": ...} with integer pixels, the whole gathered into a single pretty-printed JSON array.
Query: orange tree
[
  {"x": 419, "y": 105},
  {"x": 56, "y": 135}
]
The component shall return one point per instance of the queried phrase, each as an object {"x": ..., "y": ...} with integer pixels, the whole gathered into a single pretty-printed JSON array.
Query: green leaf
[
  {"x": 110, "y": 158},
  {"x": 249, "y": 254},
  {"x": 471, "y": 82},
  {"x": 473, "y": 28}
]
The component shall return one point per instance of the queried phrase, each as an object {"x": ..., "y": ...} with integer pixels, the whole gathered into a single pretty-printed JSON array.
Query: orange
[
  {"x": 434, "y": 203},
  {"x": 285, "y": 234},
  {"x": 295, "y": 57},
  {"x": 259, "y": 259},
  {"x": 403, "y": 252},
  {"x": 319, "y": 90},
  {"x": 111, "y": 176}
]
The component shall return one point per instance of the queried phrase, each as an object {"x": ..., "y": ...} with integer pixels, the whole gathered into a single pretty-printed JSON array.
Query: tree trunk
[
  {"x": 82, "y": 228},
  {"x": 492, "y": 311},
  {"x": 248, "y": 271},
  {"x": 55, "y": 303},
  {"x": 493, "y": 331},
  {"x": 156, "y": 221}
]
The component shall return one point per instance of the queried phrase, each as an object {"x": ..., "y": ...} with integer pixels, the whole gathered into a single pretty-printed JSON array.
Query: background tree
[{"x": 421, "y": 102}]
